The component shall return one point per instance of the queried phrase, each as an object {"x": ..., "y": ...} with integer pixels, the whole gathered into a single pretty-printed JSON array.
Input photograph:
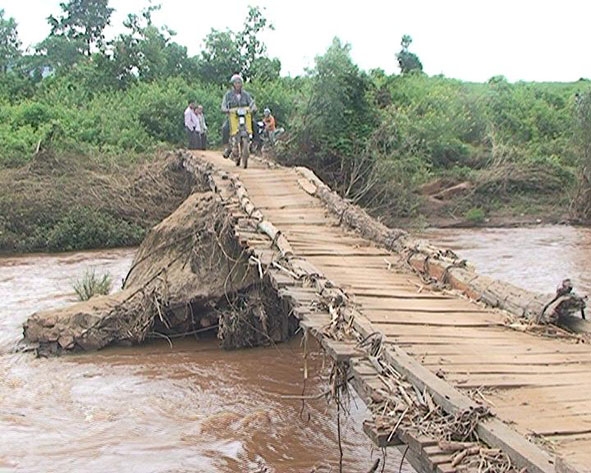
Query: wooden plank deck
[{"x": 541, "y": 387}]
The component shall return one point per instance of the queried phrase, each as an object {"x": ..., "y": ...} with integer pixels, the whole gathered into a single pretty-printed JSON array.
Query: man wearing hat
[{"x": 235, "y": 97}]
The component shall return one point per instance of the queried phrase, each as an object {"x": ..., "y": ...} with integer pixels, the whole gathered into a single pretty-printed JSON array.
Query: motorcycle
[
  {"x": 263, "y": 138},
  {"x": 256, "y": 145},
  {"x": 240, "y": 119}
]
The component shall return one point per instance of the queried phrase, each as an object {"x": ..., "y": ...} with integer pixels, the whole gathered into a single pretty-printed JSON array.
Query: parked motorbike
[{"x": 240, "y": 119}]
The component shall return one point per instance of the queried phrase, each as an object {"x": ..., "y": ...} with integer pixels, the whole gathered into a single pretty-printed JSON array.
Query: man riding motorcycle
[{"x": 234, "y": 98}]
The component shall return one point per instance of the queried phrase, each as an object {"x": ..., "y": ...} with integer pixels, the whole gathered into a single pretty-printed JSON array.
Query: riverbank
[{"x": 67, "y": 202}]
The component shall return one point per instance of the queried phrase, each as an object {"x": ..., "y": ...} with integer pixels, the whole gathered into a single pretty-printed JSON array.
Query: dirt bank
[
  {"x": 459, "y": 206},
  {"x": 68, "y": 202},
  {"x": 191, "y": 275}
]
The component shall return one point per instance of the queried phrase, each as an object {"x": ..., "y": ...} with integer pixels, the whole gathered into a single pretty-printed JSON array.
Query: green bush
[
  {"x": 475, "y": 215},
  {"x": 85, "y": 228}
]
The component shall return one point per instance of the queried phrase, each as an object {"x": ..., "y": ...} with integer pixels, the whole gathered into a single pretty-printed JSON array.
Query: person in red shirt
[
  {"x": 269, "y": 121},
  {"x": 270, "y": 125}
]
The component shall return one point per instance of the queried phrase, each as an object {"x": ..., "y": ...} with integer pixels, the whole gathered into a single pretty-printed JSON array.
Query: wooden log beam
[{"x": 440, "y": 264}]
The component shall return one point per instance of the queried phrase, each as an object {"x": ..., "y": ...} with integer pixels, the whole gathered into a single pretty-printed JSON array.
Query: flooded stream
[{"x": 154, "y": 408}]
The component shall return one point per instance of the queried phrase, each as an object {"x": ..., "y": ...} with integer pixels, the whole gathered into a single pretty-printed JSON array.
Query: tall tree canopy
[
  {"x": 147, "y": 51},
  {"x": 407, "y": 61},
  {"x": 83, "y": 21},
  {"x": 228, "y": 52}
]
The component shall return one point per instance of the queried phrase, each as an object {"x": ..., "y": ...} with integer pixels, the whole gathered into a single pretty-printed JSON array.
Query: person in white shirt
[
  {"x": 202, "y": 127},
  {"x": 192, "y": 125}
]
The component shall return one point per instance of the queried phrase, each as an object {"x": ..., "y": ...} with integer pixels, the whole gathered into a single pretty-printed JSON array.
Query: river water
[
  {"x": 153, "y": 408},
  {"x": 536, "y": 258},
  {"x": 194, "y": 407}
]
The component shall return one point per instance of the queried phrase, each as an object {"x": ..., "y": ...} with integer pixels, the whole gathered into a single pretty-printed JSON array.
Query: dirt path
[{"x": 540, "y": 386}]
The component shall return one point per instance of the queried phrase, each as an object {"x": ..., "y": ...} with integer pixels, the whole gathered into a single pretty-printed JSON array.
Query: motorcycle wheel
[
  {"x": 236, "y": 150},
  {"x": 244, "y": 151}
]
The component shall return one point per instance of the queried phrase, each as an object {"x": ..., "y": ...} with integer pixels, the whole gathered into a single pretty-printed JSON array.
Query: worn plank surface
[{"x": 540, "y": 386}]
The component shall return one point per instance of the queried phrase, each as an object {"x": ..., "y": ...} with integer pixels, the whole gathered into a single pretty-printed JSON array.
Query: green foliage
[
  {"x": 228, "y": 52},
  {"x": 86, "y": 228},
  {"x": 220, "y": 58},
  {"x": 251, "y": 48},
  {"x": 78, "y": 228},
  {"x": 372, "y": 136},
  {"x": 83, "y": 22},
  {"x": 146, "y": 52},
  {"x": 60, "y": 53},
  {"x": 337, "y": 119},
  {"x": 407, "y": 61},
  {"x": 582, "y": 132},
  {"x": 16, "y": 145},
  {"x": 92, "y": 284},
  {"x": 475, "y": 215},
  {"x": 9, "y": 43}
]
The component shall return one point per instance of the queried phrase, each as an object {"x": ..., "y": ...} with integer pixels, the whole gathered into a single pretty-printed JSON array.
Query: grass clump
[{"x": 92, "y": 284}]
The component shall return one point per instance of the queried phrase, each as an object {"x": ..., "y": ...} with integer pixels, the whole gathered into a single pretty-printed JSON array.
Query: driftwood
[{"x": 564, "y": 303}]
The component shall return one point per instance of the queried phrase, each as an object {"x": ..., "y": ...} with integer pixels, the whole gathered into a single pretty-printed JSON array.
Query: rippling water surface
[
  {"x": 153, "y": 408},
  {"x": 535, "y": 258}
]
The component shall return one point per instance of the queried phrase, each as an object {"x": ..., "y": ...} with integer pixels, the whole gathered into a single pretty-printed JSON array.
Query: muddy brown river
[
  {"x": 193, "y": 407},
  {"x": 154, "y": 408},
  {"x": 537, "y": 258}
]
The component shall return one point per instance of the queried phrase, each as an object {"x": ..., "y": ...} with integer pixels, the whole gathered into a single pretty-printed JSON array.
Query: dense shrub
[
  {"x": 84, "y": 228},
  {"x": 374, "y": 137}
]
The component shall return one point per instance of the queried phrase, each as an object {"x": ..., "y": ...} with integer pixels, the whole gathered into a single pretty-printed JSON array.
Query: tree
[
  {"x": 338, "y": 120},
  {"x": 407, "y": 61},
  {"x": 220, "y": 58},
  {"x": 9, "y": 43},
  {"x": 251, "y": 48},
  {"x": 146, "y": 51},
  {"x": 227, "y": 52},
  {"x": 83, "y": 21},
  {"x": 59, "y": 52}
]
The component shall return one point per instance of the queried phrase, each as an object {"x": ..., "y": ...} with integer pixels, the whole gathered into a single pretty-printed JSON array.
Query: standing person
[
  {"x": 270, "y": 125},
  {"x": 202, "y": 127},
  {"x": 235, "y": 97},
  {"x": 192, "y": 125}
]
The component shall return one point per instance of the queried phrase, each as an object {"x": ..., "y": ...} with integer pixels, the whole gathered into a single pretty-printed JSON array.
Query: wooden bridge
[{"x": 410, "y": 348}]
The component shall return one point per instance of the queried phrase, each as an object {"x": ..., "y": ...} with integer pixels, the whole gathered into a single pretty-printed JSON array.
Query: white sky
[{"x": 473, "y": 40}]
